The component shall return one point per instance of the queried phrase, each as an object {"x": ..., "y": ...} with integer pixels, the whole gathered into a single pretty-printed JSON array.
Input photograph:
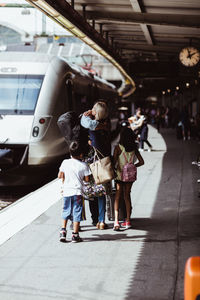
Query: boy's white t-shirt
[{"x": 74, "y": 170}]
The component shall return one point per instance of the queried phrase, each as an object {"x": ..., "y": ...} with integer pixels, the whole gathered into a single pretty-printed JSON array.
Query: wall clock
[{"x": 189, "y": 56}]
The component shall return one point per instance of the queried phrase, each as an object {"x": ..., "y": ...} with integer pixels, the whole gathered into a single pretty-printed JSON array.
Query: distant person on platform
[{"x": 138, "y": 124}]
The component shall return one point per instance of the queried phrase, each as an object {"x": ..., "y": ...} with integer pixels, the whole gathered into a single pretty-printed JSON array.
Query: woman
[{"x": 96, "y": 120}]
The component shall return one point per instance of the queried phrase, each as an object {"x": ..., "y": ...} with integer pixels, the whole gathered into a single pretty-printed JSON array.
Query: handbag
[
  {"x": 101, "y": 168},
  {"x": 91, "y": 190}
]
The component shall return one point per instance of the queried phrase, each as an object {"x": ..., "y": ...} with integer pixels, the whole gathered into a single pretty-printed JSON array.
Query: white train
[{"x": 35, "y": 89}]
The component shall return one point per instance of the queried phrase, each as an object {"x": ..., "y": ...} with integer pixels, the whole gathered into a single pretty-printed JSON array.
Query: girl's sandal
[{"x": 116, "y": 227}]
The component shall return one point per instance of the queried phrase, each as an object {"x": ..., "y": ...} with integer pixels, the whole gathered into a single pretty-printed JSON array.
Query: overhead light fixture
[
  {"x": 187, "y": 84},
  {"x": 67, "y": 24},
  {"x": 77, "y": 32},
  {"x": 104, "y": 53},
  {"x": 123, "y": 108},
  {"x": 177, "y": 88},
  {"x": 88, "y": 41},
  {"x": 168, "y": 90},
  {"x": 97, "y": 48},
  {"x": 163, "y": 92}
]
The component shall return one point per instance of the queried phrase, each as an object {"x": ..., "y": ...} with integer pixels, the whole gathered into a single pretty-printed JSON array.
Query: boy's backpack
[
  {"x": 71, "y": 129},
  {"x": 129, "y": 171}
]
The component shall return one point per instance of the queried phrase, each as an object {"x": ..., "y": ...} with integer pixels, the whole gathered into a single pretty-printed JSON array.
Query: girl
[{"x": 127, "y": 147}]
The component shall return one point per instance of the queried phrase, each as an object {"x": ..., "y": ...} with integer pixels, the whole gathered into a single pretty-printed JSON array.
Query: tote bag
[{"x": 101, "y": 168}]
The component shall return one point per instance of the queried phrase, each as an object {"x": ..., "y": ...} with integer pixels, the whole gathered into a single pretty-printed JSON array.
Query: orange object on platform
[{"x": 192, "y": 279}]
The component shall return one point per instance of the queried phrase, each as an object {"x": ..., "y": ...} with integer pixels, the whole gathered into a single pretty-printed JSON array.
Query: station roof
[{"x": 144, "y": 36}]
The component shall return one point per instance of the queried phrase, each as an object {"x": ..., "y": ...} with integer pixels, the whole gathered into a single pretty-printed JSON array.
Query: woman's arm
[{"x": 140, "y": 159}]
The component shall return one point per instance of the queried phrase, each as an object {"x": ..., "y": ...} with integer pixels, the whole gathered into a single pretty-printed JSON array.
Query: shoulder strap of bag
[
  {"x": 131, "y": 159},
  {"x": 96, "y": 151},
  {"x": 126, "y": 160},
  {"x": 96, "y": 156}
]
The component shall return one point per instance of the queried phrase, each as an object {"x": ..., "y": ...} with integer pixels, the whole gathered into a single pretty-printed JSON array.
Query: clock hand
[
  {"x": 188, "y": 52},
  {"x": 193, "y": 53}
]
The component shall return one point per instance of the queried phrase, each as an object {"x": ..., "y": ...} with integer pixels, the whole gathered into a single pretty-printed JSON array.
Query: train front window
[{"x": 19, "y": 93}]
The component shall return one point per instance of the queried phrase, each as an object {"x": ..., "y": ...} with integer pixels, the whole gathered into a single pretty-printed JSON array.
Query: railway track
[{"x": 9, "y": 195}]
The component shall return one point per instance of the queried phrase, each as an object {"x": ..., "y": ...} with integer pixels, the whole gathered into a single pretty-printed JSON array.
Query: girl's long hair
[{"x": 127, "y": 139}]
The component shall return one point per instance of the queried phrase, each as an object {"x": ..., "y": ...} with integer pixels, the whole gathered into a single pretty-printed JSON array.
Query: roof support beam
[
  {"x": 149, "y": 48},
  {"x": 178, "y": 20},
  {"x": 144, "y": 27},
  {"x": 84, "y": 10}
]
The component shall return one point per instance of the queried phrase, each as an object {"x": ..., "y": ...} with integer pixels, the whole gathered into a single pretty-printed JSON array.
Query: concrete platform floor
[{"x": 145, "y": 262}]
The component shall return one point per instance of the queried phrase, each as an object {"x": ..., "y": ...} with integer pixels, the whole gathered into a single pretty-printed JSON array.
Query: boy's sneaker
[
  {"x": 76, "y": 238},
  {"x": 126, "y": 225},
  {"x": 63, "y": 234}
]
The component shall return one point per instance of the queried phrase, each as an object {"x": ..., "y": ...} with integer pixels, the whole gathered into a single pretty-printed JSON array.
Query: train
[{"x": 35, "y": 89}]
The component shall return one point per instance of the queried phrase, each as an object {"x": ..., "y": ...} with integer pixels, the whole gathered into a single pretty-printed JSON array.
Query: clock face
[{"x": 189, "y": 56}]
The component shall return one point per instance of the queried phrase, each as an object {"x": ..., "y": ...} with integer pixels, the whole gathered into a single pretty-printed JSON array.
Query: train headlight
[
  {"x": 42, "y": 121},
  {"x": 35, "y": 131}
]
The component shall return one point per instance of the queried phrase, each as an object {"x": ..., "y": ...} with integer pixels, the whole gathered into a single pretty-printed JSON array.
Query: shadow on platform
[{"x": 160, "y": 260}]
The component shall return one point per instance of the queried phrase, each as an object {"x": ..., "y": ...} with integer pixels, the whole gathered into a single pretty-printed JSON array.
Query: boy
[{"x": 72, "y": 172}]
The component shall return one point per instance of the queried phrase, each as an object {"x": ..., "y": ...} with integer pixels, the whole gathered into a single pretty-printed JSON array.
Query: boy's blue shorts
[{"x": 72, "y": 208}]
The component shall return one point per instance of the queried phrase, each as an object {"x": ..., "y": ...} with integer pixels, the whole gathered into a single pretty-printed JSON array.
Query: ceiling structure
[{"x": 142, "y": 37}]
